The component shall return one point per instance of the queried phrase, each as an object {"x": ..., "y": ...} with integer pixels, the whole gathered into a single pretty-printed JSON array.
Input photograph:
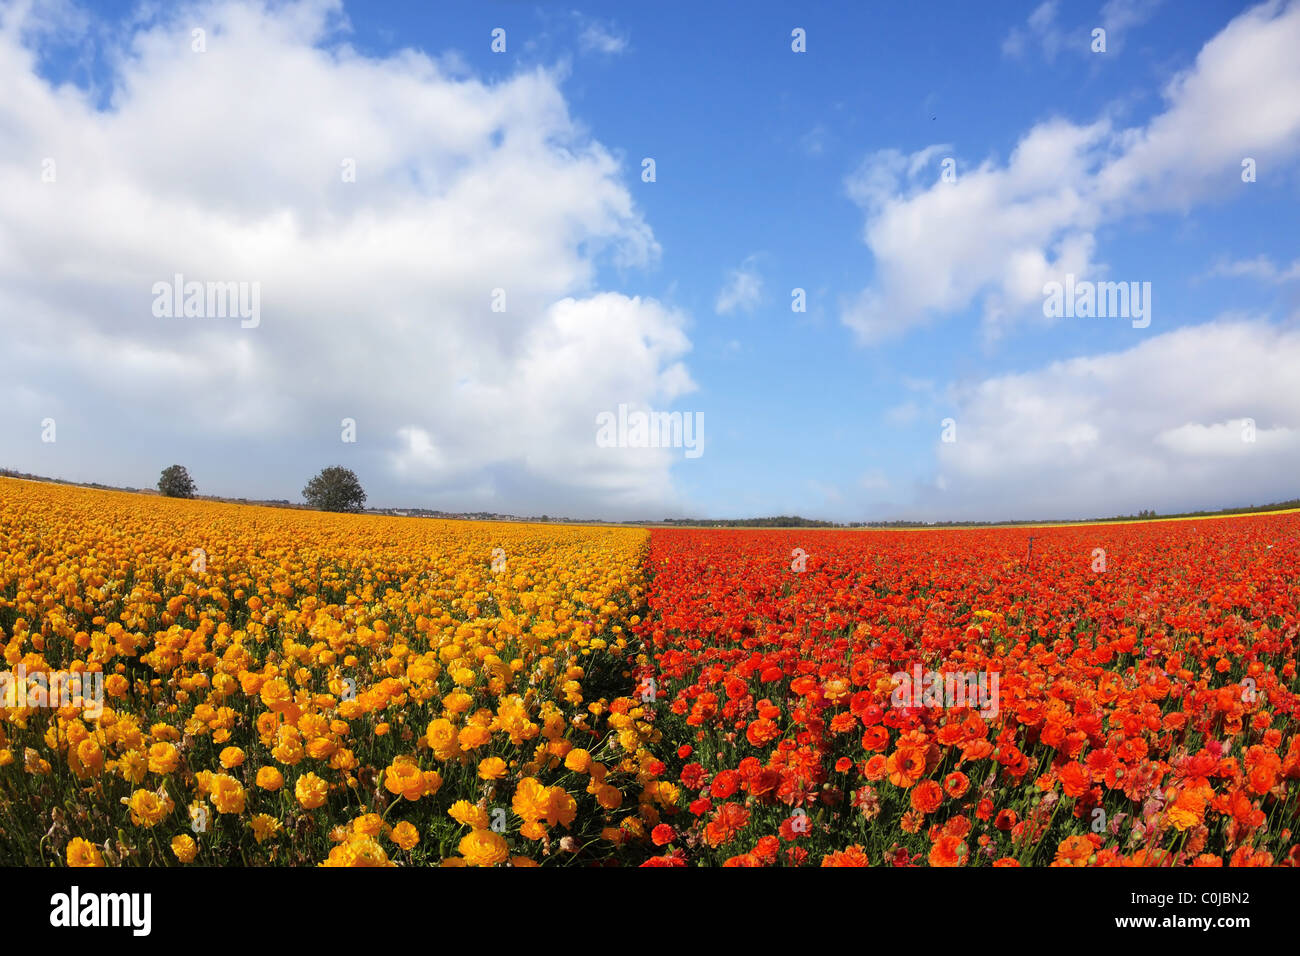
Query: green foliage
[
  {"x": 177, "y": 483},
  {"x": 335, "y": 489}
]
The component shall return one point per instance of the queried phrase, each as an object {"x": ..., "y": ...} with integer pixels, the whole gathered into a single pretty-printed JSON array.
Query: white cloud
[
  {"x": 1236, "y": 438},
  {"x": 1261, "y": 267},
  {"x": 1000, "y": 232},
  {"x": 1119, "y": 16},
  {"x": 1043, "y": 30},
  {"x": 376, "y": 294},
  {"x": 1160, "y": 425},
  {"x": 600, "y": 37},
  {"x": 742, "y": 291}
]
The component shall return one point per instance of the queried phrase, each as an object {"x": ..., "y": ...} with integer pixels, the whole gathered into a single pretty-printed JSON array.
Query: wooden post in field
[{"x": 1030, "y": 557}]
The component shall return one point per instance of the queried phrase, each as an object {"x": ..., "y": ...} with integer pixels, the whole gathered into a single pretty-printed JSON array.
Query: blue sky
[{"x": 818, "y": 170}]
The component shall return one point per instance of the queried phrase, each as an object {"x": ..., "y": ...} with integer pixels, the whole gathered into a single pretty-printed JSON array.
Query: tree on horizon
[
  {"x": 335, "y": 489},
  {"x": 177, "y": 483}
]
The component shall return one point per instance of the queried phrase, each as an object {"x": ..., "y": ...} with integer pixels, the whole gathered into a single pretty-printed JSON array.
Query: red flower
[
  {"x": 692, "y": 776},
  {"x": 726, "y": 824},
  {"x": 724, "y": 784}
]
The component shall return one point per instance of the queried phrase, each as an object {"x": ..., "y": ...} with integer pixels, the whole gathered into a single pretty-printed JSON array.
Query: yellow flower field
[{"x": 290, "y": 687}]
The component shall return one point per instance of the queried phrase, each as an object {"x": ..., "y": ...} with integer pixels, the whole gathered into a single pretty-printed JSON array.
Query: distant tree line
[
  {"x": 794, "y": 521},
  {"x": 779, "y": 521},
  {"x": 338, "y": 489}
]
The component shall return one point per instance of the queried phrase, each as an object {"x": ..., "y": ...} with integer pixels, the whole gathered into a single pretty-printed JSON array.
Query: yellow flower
[
  {"x": 133, "y": 765},
  {"x": 371, "y": 825},
  {"x": 321, "y": 748},
  {"x": 483, "y": 848},
  {"x": 359, "y": 851},
  {"x": 227, "y": 794},
  {"x": 231, "y": 757},
  {"x": 276, "y": 693},
  {"x": 289, "y": 751},
  {"x": 405, "y": 835},
  {"x": 457, "y": 702},
  {"x": 464, "y": 812},
  {"x": 532, "y": 801},
  {"x": 148, "y": 808},
  {"x": 403, "y": 777},
  {"x": 90, "y": 756},
  {"x": 343, "y": 759},
  {"x": 311, "y": 791},
  {"x": 578, "y": 760},
  {"x": 184, "y": 847},
  {"x": 163, "y": 757},
  {"x": 562, "y": 807},
  {"x": 441, "y": 737},
  {"x": 473, "y": 737},
  {"x": 268, "y": 725},
  {"x": 269, "y": 778},
  {"x": 264, "y": 826},
  {"x": 609, "y": 797},
  {"x": 83, "y": 853},
  {"x": 533, "y": 830},
  {"x": 491, "y": 768}
]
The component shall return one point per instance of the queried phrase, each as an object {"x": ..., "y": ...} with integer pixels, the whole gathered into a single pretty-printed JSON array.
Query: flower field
[
  {"x": 1145, "y": 713},
  {"x": 284, "y": 687},
  {"x": 290, "y": 687}
]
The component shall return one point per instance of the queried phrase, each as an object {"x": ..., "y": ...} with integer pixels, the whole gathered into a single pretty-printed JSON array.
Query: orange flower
[
  {"x": 762, "y": 732},
  {"x": 727, "y": 822},
  {"x": 1075, "y": 779},
  {"x": 850, "y": 856},
  {"x": 1187, "y": 810},
  {"x": 927, "y": 796},
  {"x": 906, "y": 765},
  {"x": 948, "y": 851},
  {"x": 1074, "y": 851},
  {"x": 956, "y": 784}
]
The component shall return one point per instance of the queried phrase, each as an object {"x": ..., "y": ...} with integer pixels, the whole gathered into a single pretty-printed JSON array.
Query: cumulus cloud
[
  {"x": 1171, "y": 424},
  {"x": 1001, "y": 231},
  {"x": 377, "y": 291}
]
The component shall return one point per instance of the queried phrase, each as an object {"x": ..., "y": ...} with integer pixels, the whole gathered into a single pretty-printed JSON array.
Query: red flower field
[{"x": 1123, "y": 696}]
